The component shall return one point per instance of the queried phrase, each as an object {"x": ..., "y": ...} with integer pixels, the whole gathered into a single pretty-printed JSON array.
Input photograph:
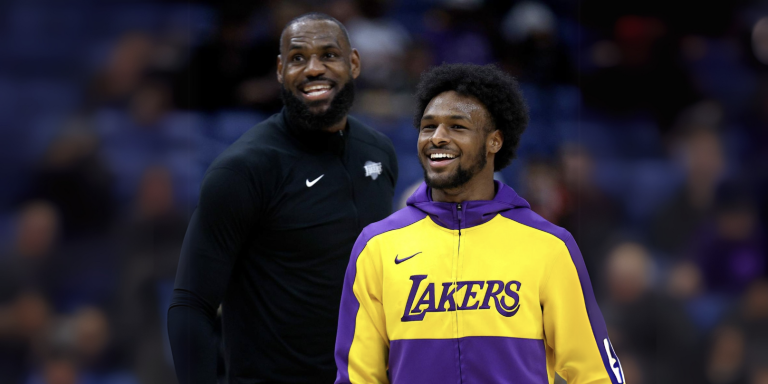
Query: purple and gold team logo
[{"x": 505, "y": 296}]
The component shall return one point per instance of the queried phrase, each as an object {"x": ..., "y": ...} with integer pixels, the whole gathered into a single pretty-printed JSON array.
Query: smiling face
[
  {"x": 456, "y": 142},
  {"x": 316, "y": 67}
]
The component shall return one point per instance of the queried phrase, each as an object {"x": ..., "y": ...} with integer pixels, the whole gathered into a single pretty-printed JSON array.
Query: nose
[
  {"x": 314, "y": 67},
  {"x": 440, "y": 136}
]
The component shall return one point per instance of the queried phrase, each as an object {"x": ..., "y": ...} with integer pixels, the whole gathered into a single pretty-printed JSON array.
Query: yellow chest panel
[{"x": 481, "y": 281}]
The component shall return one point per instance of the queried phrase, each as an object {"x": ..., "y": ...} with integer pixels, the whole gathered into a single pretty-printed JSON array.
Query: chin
[
  {"x": 318, "y": 109},
  {"x": 439, "y": 181}
]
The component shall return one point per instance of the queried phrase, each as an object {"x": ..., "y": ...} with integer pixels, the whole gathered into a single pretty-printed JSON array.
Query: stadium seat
[{"x": 228, "y": 126}]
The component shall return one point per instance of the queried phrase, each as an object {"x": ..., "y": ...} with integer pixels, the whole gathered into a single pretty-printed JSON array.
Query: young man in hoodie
[{"x": 467, "y": 284}]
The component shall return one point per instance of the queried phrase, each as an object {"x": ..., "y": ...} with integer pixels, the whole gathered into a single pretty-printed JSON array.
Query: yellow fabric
[{"x": 536, "y": 265}]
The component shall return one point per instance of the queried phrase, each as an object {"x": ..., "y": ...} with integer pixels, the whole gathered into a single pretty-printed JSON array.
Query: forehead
[
  {"x": 451, "y": 103},
  {"x": 312, "y": 32}
]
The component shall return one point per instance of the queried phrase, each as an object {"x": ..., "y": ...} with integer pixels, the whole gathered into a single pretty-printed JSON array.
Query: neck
[
  {"x": 337, "y": 127},
  {"x": 480, "y": 187}
]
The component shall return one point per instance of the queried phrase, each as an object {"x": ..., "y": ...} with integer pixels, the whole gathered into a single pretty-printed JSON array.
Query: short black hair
[
  {"x": 315, "y": 16},
  {"x": 496, "y": 89}
]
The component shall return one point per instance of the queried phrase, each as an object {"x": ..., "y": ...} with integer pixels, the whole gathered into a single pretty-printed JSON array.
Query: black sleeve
[{"x": 227, "y": 211}]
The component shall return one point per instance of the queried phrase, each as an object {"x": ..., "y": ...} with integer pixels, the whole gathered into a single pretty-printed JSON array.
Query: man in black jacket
[{"x": 278, "y": 214}]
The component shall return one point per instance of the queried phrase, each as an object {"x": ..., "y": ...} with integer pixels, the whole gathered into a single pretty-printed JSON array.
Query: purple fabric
[
  {"x": 349, "y": 303},
  {"x": 468, "y": 360},
  {"x": 473, "y": 213},
  {"x": 599, "y": 330}
]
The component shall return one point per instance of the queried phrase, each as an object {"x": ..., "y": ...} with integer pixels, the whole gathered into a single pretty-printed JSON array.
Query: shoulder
[
  {"x": 366, "y": 135},
  {"x": 529, "y": 218},
  {"x": 396, "y": 221},
  {"x": 259, "y": 151}
]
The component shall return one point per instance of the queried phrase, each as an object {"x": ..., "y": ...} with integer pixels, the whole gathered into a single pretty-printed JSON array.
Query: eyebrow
[{"x": 452, "y": 117}]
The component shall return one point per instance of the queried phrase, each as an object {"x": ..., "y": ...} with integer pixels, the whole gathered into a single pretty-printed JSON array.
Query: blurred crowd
[{"x": 648, "y": 141}]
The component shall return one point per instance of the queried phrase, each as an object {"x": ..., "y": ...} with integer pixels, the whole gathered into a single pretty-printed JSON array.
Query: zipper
[
  {"x": 458, "y": 258},
  {"x": 458, "y": 213}
]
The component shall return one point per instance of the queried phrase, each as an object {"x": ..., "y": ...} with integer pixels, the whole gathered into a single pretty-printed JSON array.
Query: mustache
[{"x": 431, "y": 147}]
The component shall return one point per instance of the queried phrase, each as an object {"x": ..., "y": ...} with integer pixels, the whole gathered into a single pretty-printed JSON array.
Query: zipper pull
[
  {"x": 341, "y": 132},
  {"x": 458, "y": 215}
]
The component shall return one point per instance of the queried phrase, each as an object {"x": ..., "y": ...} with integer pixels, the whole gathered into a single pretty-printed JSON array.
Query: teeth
[
  {"x": 317, "y": 88},
  {"x": 435, "y": 156}
]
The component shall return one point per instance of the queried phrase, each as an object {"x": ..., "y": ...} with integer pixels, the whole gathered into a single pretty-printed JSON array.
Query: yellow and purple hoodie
[{"x": 475, "y": 292}]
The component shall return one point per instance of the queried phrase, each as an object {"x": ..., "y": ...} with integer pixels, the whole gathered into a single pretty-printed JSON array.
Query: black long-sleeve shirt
[{"x": 270, "y": 240}]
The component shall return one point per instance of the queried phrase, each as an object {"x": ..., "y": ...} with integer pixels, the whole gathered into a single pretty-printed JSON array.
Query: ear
[
  {"x": 494, "y": 141},
  {"x": 279, "y": 69},
  {"x": 354, "y": 61}
]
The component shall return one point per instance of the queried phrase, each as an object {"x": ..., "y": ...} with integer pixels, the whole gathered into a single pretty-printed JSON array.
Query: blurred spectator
[
  {"x": 261, "y": 89},
  {"x": 759, "y": 375},
  {"x": 150, "y": 103},
  {"x": 676, "y": 220},
  {"x": 382, "y": 43},
  {"x": 641, "y": 321},
  {"x": 231, "y": 71},
  {"x": 634, "y": 67},
  {"x": 23, "y": 267},
  {"x": 58, "y": 369},
  {"x": 80, "y": 350},
  {"x": 24, "y": 281},
  {"x": 22, "y": 325},
  {"x": 217, "y": 68},
  {"x": 153, "y": 237},
  {"x": 589, "y": 214},
  {"x": 532, "y": 51},
  {"x": 127, "y": 65},
  {"x": 73, "y": 177},
  {"x": 684, "y": 281},
  {"x": 420, "y": 58},
  {"x": 685, "y": 285},
  {"x": 633, "y": 370},
  {"x": 543, "y": 190},
  {"x": 456, "y": 34},
  {"x": 754, "y": 321},
  {"x": 91, "y": 335},
  {"x": 730, "y": 249},
  {"x": 725, "y": 363}
]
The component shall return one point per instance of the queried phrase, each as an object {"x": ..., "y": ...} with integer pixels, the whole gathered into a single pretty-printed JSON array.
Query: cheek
[
  {"x": 421, "y": 143},
  {"x": 291, "y": 76}
]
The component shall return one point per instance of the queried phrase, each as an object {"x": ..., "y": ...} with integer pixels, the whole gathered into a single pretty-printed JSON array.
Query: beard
[
  {"x": 302, "y": 117},
  {"x": 461, "y": 176}
]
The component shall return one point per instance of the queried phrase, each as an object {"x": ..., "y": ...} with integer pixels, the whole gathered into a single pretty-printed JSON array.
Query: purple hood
[{"x": 472, "y": 213}]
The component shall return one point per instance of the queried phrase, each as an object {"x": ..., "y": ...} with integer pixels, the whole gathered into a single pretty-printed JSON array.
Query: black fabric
[{"x": 273, "y": 252}]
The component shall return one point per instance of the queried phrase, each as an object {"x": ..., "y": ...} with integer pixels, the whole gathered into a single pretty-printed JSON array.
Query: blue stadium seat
[
  {"x": 49, "y": 95},
  {"x": 639, "y": 185},
  {"x": 196, "y": 20},
  {"x": 228, "y": 126}
]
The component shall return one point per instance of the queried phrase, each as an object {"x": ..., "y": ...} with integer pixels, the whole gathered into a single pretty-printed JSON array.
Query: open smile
[
  {"x": 315, "y": 91},
  {"x": 439, "y": 160}
]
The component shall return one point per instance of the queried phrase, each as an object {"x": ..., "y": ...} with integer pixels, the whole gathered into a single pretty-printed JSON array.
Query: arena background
[{"x": 648, "y": 141}]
